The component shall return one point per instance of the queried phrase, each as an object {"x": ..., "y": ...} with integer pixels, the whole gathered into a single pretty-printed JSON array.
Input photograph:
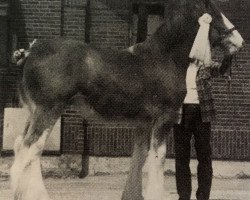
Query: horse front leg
[
  {"x": 157, "y": 155},
  {"x": 133, "y": 188}
]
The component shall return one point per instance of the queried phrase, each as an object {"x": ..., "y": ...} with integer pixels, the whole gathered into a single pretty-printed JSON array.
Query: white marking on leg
[
  {"x": 133, "y": 188},
  {"x": 30, "y": 184},
  {"x": 26, "y": 177},
  {"x": 155, "y": 186},
  {"x": 235, "y": 38}
]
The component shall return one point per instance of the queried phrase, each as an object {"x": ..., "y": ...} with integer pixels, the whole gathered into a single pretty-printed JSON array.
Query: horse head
[
  {"x": 222, "y": 32},
  {"x": 178, "y": 32}
]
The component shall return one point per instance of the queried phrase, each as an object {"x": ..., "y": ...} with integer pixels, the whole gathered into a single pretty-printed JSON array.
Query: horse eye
[
  {"x": 223, "y": 35},
  {"x": 225, "y": 32}
]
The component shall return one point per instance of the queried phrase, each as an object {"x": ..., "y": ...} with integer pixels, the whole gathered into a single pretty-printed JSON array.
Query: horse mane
[
  {"x": 175, "y": 29},
  {"x": 181, "y": 22}
]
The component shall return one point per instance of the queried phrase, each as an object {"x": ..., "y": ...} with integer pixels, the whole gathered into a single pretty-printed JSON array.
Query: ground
[
  {"x": 109, "y": 187},
  {"x": 107, "y": 178}
]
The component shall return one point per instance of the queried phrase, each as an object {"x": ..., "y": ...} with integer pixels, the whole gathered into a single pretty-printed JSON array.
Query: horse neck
[
  {"x": 176, "y": 49},
  {"x": 175, "y": 37}
]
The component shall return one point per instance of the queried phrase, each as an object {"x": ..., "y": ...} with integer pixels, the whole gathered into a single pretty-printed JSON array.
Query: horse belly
[{"x": 112, "y": 105}]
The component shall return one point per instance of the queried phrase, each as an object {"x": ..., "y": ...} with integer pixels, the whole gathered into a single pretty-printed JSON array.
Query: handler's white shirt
[{"x": 192, "y": 95}]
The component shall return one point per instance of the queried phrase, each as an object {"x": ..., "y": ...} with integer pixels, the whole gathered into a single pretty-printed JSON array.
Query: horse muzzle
[{"x": 234, "y": 42}]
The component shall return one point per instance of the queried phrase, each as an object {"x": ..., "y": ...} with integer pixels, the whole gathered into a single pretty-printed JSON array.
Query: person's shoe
[
  {"x": 184, "y": 198},
  {"x": 202, "y": 196}
]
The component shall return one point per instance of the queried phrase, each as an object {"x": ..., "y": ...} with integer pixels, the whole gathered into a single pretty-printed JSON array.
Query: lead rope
[
  {"x": 207, "y": 4},
  {"x": 230, "y": 91}
]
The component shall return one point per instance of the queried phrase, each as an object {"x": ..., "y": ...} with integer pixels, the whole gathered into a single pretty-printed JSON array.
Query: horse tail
[{"x": 22, "y": 97}]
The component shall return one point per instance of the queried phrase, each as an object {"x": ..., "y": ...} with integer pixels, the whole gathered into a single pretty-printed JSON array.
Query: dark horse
[{"x": 145, "y": 83}]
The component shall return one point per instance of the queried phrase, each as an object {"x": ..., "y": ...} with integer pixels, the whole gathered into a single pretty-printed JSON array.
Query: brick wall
[
  {"x": 35, "y": 19},
  {"x": 110, "y": 27},
  {"x": 72, "y": 132},
  {"x": 109, "y": 24},
  {"x": 74, "y": 20}
]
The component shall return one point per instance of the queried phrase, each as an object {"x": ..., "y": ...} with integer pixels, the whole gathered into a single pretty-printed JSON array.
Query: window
[
  {"x": 3, "y": 41},
  {"x": 146, "y": 19}
]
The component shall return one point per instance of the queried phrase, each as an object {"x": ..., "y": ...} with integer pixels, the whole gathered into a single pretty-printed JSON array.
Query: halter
[
  {"x": 223, "y": 33},
  {"x": 229, "y": 82}
]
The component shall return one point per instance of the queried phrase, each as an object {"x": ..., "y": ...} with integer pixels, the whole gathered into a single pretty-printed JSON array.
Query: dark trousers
[{"x": 192, "y": 125}]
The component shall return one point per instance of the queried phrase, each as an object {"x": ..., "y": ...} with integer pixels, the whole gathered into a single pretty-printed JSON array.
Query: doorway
[{"x": 145, "y": 21}]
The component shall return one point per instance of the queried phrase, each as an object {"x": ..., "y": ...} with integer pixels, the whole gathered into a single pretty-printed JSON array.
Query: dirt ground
[{"x": 109, "y": 187}]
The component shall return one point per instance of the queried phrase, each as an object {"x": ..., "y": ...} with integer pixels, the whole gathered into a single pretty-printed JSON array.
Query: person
[{"x": 198, "y": 112}]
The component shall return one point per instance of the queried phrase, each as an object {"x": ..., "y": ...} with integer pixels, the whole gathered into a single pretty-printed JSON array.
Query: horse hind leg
[{"x": 26, "y": 177}]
